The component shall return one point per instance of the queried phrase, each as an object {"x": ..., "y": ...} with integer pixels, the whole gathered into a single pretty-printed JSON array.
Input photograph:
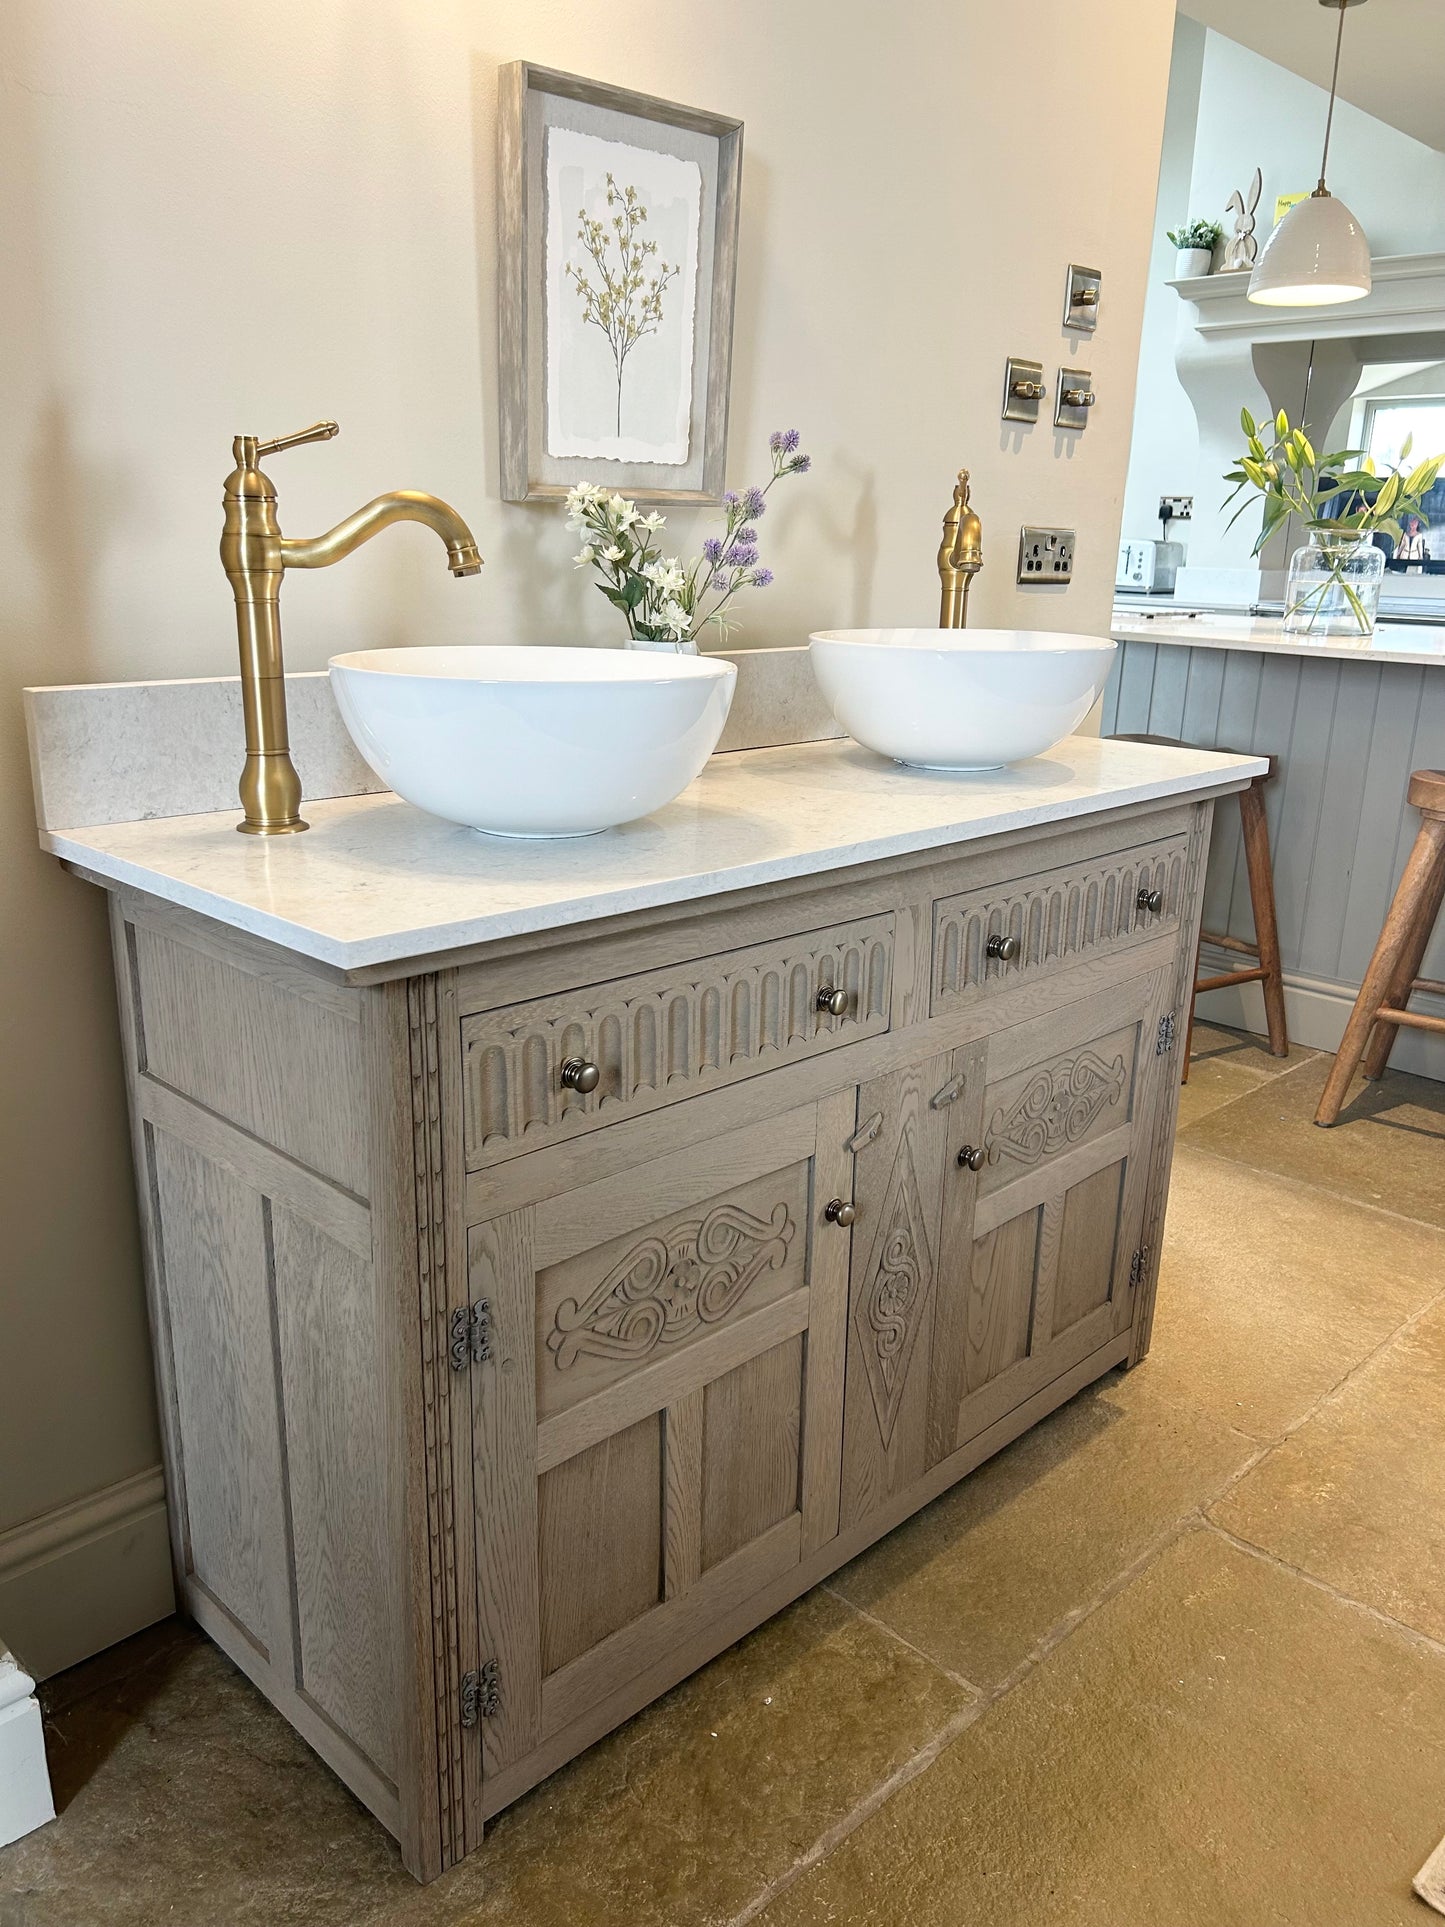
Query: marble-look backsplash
[{"x": 129, "y": 752}]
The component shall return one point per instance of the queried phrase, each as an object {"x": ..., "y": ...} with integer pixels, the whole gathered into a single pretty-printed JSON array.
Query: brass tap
[
  {"x": 255, "y": 555},
  {"x": 960, "y": 556}
]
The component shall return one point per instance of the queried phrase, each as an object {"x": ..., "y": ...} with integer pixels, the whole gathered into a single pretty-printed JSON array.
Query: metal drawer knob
[
  {"x": 833, "y": 1002},
  {"x": 1151, "y": 900},
  {"x": 841, "y": 1211},
  {"x": 972, "y": 1158},
  {"x": 578, "y": 1074},
  {"x": 1004, "y": 948}
]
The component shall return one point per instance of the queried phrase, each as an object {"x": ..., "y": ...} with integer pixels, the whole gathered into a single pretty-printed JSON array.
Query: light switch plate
[
  {"x": 1081, "y": 299},
  {"x": 1023, "y": 389},
  {"x": 1046, "y": 555},
  {"x": 1073, "y": 398}
]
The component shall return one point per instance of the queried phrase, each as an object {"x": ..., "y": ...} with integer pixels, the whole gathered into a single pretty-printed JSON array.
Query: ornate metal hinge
[
  {"x": 471, "y": 1335},
  {"x": 1165, "y": 1039},
  {"x": 1137, "y": 1264},
  {"x": 481, "y": 1693}
]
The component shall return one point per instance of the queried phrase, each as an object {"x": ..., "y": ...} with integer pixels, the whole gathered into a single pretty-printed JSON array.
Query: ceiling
[{"x": 1393, "y": 64}]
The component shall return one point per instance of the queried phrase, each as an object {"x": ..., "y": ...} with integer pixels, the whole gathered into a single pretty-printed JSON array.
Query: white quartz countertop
[
  {"x": 1407, "y": 642},
  {"x": 375, "y": 881}
]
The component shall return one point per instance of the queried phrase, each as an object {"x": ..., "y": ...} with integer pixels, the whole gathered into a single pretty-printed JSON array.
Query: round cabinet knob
[
  {"x": 578, "y": 1074},
  {"x": 972, "y": 1158},
  {"x": 833, "y": 1002},
  {"x": 841, "y": 1211},
  {"x": 1151, "y": 900},
  {"x": 1004, "y": 948}
]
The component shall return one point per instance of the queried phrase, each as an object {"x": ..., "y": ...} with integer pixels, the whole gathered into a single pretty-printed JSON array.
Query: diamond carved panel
[
  {"x": 889, "y": 1314},
  {"x": 1057, "y": 1107}
]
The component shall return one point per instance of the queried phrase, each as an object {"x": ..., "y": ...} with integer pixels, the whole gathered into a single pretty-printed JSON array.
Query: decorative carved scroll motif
[
  {"x": 667, "y": 1287},
  {"x": 1056, "y": 1107},
  {"x": 890, "y": 1313}
]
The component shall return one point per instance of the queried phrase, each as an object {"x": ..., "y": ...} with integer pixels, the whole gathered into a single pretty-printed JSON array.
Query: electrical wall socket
[
  {"x": 1176, "y": 508},
  {"x": 1046, "y": 555}
]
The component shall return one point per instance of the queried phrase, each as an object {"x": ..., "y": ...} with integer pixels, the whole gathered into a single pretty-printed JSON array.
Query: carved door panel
[
  {"x": 1037, "y": 1268},
  {"x": 658, "y": 1426},
  {"x": 900, "y": 1146}
]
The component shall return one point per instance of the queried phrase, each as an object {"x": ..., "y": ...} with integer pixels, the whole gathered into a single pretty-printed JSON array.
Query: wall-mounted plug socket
[
  {"x": 1176, "y": 508},
  {"x": 1046, "y": 555}
]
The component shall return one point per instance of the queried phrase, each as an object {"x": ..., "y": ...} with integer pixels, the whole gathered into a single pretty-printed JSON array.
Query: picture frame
[{"x": 617, "y": 272}]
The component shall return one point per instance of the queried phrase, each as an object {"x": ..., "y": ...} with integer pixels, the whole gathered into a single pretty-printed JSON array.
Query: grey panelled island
[
  {"x": 498, "y": 1397},
  {"x": 1348, "y": 721}
]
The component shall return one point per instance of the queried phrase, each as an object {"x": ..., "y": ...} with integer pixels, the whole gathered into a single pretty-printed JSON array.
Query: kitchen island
[
  {"x": 561, "y": 1256},
  {"x": 1348, "y": 721}
]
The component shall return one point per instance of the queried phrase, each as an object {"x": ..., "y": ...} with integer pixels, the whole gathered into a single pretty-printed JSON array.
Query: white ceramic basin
[
  {"x": 959, "y": 698},
  {"x": 534, "y": 742}
]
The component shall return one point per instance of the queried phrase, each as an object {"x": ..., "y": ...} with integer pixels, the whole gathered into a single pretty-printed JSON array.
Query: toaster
[{"x": 1148, "y": 567}]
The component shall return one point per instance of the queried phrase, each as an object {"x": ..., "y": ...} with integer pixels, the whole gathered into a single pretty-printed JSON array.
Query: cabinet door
[
  {"x": 900, "y": 1146},
  {"x": 1037, "y": 1246},
  {"x": 658, "y": 1428}
]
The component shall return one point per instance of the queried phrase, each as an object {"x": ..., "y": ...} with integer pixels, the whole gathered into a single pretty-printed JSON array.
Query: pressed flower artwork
[
  {"x": 617, "y": 243},
  {"x": 623, "y": 232}
]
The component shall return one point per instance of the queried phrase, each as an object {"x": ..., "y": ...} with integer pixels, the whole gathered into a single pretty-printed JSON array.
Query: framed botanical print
[{"x": 617, "y": 237}]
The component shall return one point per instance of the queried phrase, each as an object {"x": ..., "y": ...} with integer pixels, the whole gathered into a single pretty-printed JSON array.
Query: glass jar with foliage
[{"x": 1343, "y": 500}]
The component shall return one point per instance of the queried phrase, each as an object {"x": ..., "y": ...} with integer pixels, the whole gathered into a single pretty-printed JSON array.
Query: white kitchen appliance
[{"x": 1148, "y": 568}]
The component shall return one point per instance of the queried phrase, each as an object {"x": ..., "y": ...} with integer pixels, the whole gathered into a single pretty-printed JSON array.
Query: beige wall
[{"x": 223, "y": 218}]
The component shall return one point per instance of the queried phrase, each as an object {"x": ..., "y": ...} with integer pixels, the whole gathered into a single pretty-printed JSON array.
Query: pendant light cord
[{"x": 1334, "y": 85}]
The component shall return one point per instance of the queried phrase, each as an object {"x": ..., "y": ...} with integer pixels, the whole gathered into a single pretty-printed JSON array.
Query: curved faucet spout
[{"x": 402, "y": 505}]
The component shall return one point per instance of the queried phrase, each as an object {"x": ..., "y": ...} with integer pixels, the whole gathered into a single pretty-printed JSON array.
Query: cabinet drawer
[
  {"x": 1059, "y": 917},
  {"x": 667, "y": 1034}
]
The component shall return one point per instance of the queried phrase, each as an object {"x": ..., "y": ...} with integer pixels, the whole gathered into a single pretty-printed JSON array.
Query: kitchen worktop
[
  {"x": 1161, "y": 621},
  {"x": 376, "y": 881}
]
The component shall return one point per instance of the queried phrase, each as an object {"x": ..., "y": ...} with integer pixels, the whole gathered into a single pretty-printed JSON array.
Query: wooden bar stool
[
  {"x": 1380, "y": 1008},
  {"x": 1265, "y": 971}
]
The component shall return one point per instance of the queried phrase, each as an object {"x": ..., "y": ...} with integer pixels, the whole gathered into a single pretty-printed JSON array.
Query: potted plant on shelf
[
  {"x": 1344, "y": 501},
  {"x": 667, "y": 602},
  {"x": 1196, "y": 242}
]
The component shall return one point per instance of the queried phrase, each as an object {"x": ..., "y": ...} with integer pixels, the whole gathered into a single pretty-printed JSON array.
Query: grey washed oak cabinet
[{"x": 493, "y": 1407}]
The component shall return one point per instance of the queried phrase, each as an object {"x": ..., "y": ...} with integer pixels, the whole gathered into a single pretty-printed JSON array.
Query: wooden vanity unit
[{"x": 495, "y": 1404}]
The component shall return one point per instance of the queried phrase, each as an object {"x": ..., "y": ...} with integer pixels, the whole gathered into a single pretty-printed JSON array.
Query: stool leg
[
  {"x": 1266, "y": 923},
  {"x": 1405, "y": 912},
  {"x": 1382, "y": 1041},
  {"x": 1193, "y": 1000}
]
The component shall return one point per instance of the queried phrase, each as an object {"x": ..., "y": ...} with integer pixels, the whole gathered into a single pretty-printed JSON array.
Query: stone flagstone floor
[{"x": 1174, "y": 1659}]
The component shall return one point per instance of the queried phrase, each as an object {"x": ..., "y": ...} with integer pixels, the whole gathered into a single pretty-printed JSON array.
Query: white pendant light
[{"x": 1318, "y": 253}]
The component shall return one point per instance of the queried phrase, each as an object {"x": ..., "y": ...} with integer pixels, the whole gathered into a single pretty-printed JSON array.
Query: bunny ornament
[{"x": 1241, "y": 250}]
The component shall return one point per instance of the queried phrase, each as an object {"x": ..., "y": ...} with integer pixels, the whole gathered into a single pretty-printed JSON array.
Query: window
[{"x": 1388, "y": 423}]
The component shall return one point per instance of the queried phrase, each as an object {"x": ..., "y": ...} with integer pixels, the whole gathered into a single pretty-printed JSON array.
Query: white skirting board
[
  {"x": 77, "y": 1579},
  {"x": 25, "y": 1801},
  {"x": 1316, "y": 1014}
]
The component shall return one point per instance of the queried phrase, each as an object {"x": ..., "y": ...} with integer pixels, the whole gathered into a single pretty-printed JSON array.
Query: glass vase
[{"x": 1334, "y": 586}]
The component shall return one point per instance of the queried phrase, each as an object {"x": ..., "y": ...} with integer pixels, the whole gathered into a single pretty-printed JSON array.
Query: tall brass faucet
[
  {"x": 960, "y": 556},
  {"x": 255, "y": 555}
]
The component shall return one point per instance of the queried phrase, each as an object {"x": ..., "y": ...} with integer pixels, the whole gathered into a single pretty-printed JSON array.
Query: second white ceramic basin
[
  {"x": 534, "y": 742},
  {"x": 959, "y": 699}
]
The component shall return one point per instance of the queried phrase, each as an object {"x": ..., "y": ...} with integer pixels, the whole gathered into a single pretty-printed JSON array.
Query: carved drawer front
[
  {"x": 658, "y": 1420},
  {"x": 1059, "y": 917},
  {"x": 667, "y": 1034}
]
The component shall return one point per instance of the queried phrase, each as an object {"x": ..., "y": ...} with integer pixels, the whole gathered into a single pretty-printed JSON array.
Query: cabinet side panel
[
  {"x": 214, "y": 1243},
  {"x": 285, "y": 1065},
  {"x": 334, "y": 1434}
]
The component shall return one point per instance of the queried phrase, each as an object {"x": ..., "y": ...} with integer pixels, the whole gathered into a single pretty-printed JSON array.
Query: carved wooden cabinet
[{"x": 532, "y": 1323}]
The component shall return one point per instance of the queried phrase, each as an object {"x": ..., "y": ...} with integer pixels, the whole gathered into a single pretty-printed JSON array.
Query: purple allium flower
[
  {"x": 712, "y": 551},
  {"x": 800, "y": 464},
  {"x": 741, "y": 555},
  {"x": 753, "y": 504},
  {"x": 746, "y": 535},
  {"x": 762, "y": 578},
  {"x": 730, "y": 499}
]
